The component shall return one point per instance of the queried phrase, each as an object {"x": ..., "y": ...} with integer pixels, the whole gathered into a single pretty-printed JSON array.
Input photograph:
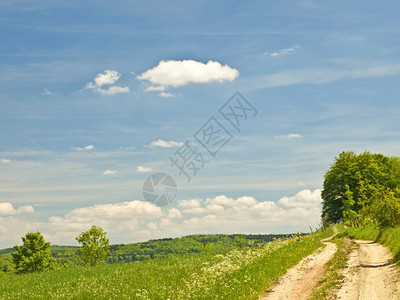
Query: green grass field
[{"x": 237, "y": 274}]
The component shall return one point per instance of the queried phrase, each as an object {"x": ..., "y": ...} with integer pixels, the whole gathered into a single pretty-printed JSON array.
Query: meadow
[{"x": 241, "y": 273}]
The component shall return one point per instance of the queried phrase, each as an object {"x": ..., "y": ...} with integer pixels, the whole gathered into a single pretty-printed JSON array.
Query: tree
[
  {"x": 349, "y": 215},
  {"x": 95, "y": 245},
  {"x": 34, "y": 255},
  {"x": 385, "y": 209},
  {"x": 365, "y": 175}
]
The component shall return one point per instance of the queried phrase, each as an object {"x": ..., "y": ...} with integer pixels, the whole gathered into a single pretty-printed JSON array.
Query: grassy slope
[
  {"x": 239, "y": 274},
  {"x": 389, "y": 237}
]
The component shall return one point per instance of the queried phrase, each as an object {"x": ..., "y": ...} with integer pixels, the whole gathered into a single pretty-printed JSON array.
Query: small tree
[
  {"x": 349, "y": 215},
  {"x": 34, "y": 255},
  {"x": 206, "y": 246},
  {"x": 240, "y": 241},
  {"x": 95, "y": 245}
]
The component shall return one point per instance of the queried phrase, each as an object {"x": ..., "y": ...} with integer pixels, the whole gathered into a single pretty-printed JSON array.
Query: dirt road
[
  {"x": 371, "y": 274},
  {"x": 299, "y": 281}
]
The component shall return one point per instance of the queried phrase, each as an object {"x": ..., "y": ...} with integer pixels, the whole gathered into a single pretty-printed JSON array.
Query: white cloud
[
  {"x": 5, "y": 161},
  {"x": 164, "y": 144},
  {"x": 137, "y": 220},
  {"x": 174, "y": 213},
  {"x": 108, "y": 78},
  {"x": 320, "y": 76},
  {"x": 142, "y": 169},
  {"x": 166, "y": 95},
  {"x": 26, "y": 209},
  {"x": 283, "y": 51},
  {"x": 112, "y": 90},
  {"x": 47, "y": 92},
  {"x": 110, "y": 172},
  {"x": 88, "y": 147},
  {"x": 159, "y": 88},
  {"x": 290, "y": 136},
  {"x": 173, "y": 73},
  {"x": 191, "y": 203},
  {"x": 303, "y": 199},
  {"x": 7, "y": 209}
]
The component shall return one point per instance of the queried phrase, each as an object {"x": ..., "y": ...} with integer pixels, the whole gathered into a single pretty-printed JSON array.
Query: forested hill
[{"x": 119, "y": 253}]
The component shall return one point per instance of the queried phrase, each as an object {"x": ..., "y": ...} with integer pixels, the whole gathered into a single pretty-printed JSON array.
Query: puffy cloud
[
  {"x": 173, "y": 73},
  {"x": 110, "y": 172},
  {"x": 5, "y": 161},
  {"x": 89, "y": 147},
  {"x": 138, "y": 220},
  {"x": 290, "y": 136},
  {"x": 304, "y": 199},
  {"x": 174, "y": 213},
  {"x": 7, "y": 209},
  {"x": 142, "y": 169},
  {"x": 164, "y": 144},
  {"x": 118, "y": 210},
  {"x": 108, "y": 78},
  {"x": 191, "y": 203},
  {"x": 283, "y": 51}
]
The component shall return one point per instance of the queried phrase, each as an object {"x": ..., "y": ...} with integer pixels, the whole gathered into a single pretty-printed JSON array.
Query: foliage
[
  {"x": 240, "y": 241},
  {"x": 206, "y": 246},
  {"x": 354, "y": 180},
  {"x": 34, "y": 255},
  {"x": 349, "y": 215},
  {"x": 385, "y": 209},
  {"x": 95, "y": 245},
  {"x": 67, "y": 257},
  {"x": 236, "y": 274}
]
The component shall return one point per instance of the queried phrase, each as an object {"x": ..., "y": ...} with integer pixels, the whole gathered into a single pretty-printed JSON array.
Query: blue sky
[{"x": 97, "y": 95}]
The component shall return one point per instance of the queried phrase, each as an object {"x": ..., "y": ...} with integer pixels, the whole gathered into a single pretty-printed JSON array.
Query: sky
[{"x": 96, "y": 96}]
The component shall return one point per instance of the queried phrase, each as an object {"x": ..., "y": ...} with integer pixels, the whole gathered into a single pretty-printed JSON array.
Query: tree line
[{"x": 71, "y": 256}]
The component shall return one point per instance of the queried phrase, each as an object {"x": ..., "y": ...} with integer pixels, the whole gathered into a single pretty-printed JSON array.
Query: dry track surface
[
  {"x": 371, "y": 274},
  {"x": 299, "y": 282}
]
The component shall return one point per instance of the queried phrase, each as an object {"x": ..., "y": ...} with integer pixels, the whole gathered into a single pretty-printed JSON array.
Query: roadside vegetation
[
  {"x": 241, "y": 273},
  {"x": 388, "y": 236},
  {"x": 333, "y": 276}
]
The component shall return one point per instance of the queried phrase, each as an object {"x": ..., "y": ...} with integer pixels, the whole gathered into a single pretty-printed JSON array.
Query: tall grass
[{"x": 238, "y": 274}]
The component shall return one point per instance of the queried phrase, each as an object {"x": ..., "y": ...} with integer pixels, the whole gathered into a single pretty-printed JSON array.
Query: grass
[
  {"x": 389, "y": 237},
  {"x": 333, "y": 276},
  {"x": 238, "y": 274}
]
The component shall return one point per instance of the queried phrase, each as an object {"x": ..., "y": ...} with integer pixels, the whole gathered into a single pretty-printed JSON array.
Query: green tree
[
  {"x": 385, "y": 209},
  {"x": 365, "y": 175},
  {"x": 95, "y": 245},
  {"x": 34, "y": 255},
  {"x": 240, "y": 241},
  {"x": 206, "y": 246},
  {"x": 349, "y": 215}
]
